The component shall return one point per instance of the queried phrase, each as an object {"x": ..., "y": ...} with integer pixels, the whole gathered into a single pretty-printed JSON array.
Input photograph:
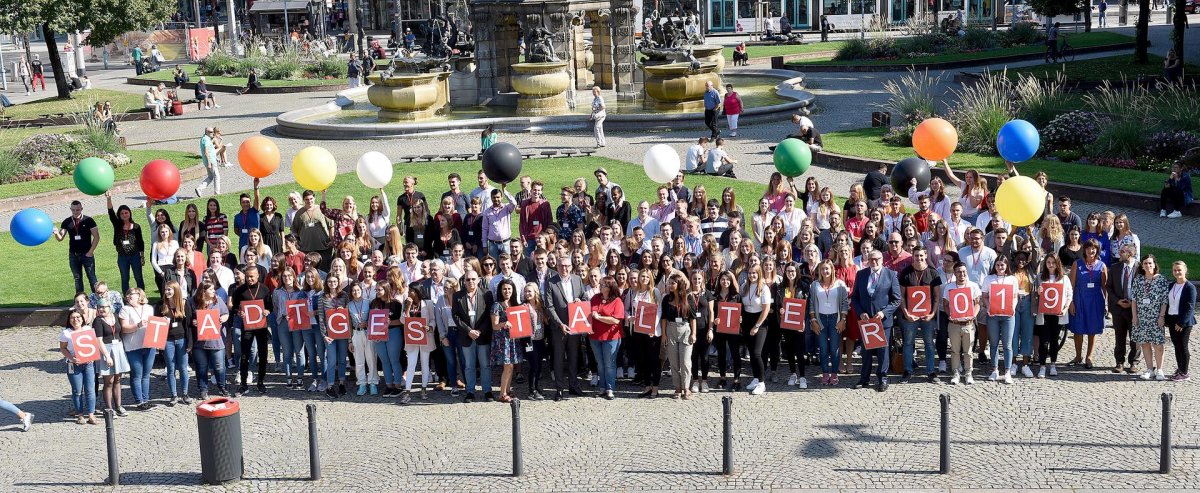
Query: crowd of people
[{"x": 655, "y": 276}]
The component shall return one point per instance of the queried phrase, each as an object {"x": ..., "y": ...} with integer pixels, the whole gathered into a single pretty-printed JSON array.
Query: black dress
[{"x": 271, "y": 228}]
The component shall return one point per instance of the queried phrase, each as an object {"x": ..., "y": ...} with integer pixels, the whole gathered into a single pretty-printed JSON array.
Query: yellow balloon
[
  {"x": 1020, "y": 200},
  {"x": 314, "y": 168}
]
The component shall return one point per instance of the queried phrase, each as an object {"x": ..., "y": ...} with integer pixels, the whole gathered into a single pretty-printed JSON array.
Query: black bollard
[
  {"x": 518, "y": 460},
  {"x": 727, "y": 440},
  {"x": 1164, "y": 450},
  {"x": 314, "y": 453},
  {"x": 114, "y": 471},
  {"x": 944, "y": 464}
]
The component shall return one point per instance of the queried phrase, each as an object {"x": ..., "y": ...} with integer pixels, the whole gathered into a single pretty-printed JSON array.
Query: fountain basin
[
  {"x": 675, "y": 86},
  {"x": 409, "y": 97},
  {"x": 710, "y": 53},
  {"x": 542, "y": 87}
]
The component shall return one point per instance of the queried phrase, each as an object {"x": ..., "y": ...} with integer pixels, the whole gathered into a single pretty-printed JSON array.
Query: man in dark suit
[
  {"x": 471, "y": 315},
  {"x": 876, "y": 295},
  {"x": 562, "y": 289},
  {"x": 1120, "y": 283}
]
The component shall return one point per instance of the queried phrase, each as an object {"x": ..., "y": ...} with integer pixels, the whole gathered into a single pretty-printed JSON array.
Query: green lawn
[
  {"x": 45, "y": 277},
  {"x": 784, "y": 50},
  {"x": 866, "y": 142},
  {"x": 80, "y": 102},
  {"x": 128, "y": 172},
  {"x": 1112, "y": 68},
  {"x": 167, "y": 74},
  {"x": 1079, "y": 40}
]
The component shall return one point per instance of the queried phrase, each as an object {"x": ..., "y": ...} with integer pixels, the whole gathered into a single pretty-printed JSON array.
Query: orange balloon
[
  {"x": 258, "y": 156},
  {"x": 935, "y": 139}
]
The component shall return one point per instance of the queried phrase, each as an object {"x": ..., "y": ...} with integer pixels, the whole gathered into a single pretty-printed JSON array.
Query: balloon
[
  {"x": 160, "y": 179},
  {"x": 94, "y": 176},
  {"x": 1020, "y": 200},
  {"x": 661, "y": 163},
  {"x": 374, "y": 169},
  {"x": 1018, "y": 141},
  {"x": 31, "y": 227},
  {"x": 258, "y": 156},
  {"x": 792, "y": 157},
  {"x": 907, "y": 169},
  {"x": 502, "y": 162},
  {"x": 314, "y": 168},
  {"x": 935, "y": 139}
]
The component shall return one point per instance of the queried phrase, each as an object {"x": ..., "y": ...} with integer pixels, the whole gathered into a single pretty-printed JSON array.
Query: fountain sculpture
[{"x": 677, "y": 63}]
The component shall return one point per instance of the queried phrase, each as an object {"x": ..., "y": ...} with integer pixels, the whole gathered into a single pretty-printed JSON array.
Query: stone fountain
[
  {"x": 679, "y": 86},
  {"x": 542, "y": 80},
  {"x": 419, "y": 87},
  {"x": 677, "y": 40}
]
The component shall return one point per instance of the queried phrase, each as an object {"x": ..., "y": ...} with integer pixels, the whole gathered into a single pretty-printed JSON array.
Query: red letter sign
[
  {"x": 580, "y": 313},
  {"x": 156, "y": 333},
  {"x": 337, "y": 321},
  {"x": 873, "y": 336},
  {"x": 298, "y": 315},
  {"x": 962, "y": 304},
  {"x": 643, "y": 317},
  {"x": 918, "y": 300},
  {"x": 377, "y": 325},
  {"x": 414, "y": 332},
  {"x": 208, "y": 325},
  {"x": 253, "y": 315},
  {"x": 87, "y": 347},
  {"x": 793, "y": 314},
  {"x": 521, "y": 322},
  {"x": 1001, "y": 300},
  {"x": 729, "y": 318},
  {"x": 1053, "y": 300}
]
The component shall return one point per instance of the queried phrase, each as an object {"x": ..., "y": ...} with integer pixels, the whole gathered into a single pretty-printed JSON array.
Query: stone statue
[
  {"x": 539, "y": 46},
  {"x": 670, "y": 38}
]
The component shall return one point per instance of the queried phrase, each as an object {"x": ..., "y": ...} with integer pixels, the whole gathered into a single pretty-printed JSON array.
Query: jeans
[
  {"x": 209, "y": 358},
  {"x": 276, "y": 348},
  {"x": 476, "y": 356},
  {"x": 495, "y": 248},
  {"x": 1000, "y": 331},
  {"x": 364, "y": 359},
  {"x": 80, "y": 264},
  {"x": 606, "y": 359},
  {"x": 414, "y": 355},
  {"x": 335, "y": 360},
  {"x": 1023, "y": 332},
  {"x": 140, "y": 363},
  {"x": 8, "y": 406},
  {"x": 453, "y": 357},
  {"x": 176, "y": 357},
  {"x": 314, "y": 346},
  {"x": 598, "y": 128},
  {"x": 829, "y": 344},
  {"x": 127, "y": 263},
  {"x": 292, "y": 343},
  {"x": 83, "y": 386},
  {"x": 393, "y": 369},
  {"x": 928, "y": 327}
]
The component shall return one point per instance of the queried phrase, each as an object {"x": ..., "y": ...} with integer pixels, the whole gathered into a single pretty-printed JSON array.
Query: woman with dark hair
[
  {"x": 487, "y": 137},
  {"x": 505, "y": 351},
  {"x": 127, "y": 238},
  {"x": 81, "y": 375},
  {"x": 270, "y": 224},
  {"x": 701, "y": 298},
  {"x": 1088, "y": 278},
  {"x": 208, "y": 354},
  {"x": 215, "y": 224},
  {"x": 191, "y": 225},
  {"x": 728, "y": 345},
  {"x": 1149, "y": 296},
  {"x": 607, "y": 314},
  {"x": 421, "y": 230},
  {"x": 173, "y": 307}
]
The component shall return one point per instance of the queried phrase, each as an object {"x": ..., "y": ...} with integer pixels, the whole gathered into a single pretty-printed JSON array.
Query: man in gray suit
[
  {"x": 562, "y": 289},
  {"x": 1120, "y": 282}
]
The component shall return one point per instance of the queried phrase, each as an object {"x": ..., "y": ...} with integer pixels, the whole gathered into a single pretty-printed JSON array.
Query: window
[
  {"x": 838, "y": 7},
  {"x": 866, "y": 7}
]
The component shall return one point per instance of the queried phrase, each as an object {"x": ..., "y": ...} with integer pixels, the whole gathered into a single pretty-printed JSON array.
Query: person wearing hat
[{"x": 603, "y": 185}]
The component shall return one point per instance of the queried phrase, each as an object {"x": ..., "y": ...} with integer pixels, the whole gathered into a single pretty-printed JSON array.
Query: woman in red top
[
  {"x": 732, "y": 108},
  {"x": 845, "y": 271},
  {"x": 607, "y": 314}
]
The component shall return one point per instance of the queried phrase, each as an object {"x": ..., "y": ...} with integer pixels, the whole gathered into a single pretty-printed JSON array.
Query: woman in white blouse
[
  {"x": 379, "y": 217},
  {"x": 162, "y": 253},
  {"x": 646, "y": 346},
  {"x": 761, "y": 219},
  {"x": 792, "y": 216},
  {"x": 1000, "y": 327},
  {"x": 756, "y": 306},
  {"x": 828, "y": 302}
]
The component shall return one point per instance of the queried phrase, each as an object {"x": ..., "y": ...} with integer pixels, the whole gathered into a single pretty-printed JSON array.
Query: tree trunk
[
  {"x": 1142, "y": 41},
  {"x": 61, "y": 82},
  {"x": 1180, "y": 22},
  {"x": 1087, "y": 16}
]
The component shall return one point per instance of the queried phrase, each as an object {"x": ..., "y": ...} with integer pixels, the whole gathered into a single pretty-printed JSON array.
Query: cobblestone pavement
[{"x": 1083, "y": 429}]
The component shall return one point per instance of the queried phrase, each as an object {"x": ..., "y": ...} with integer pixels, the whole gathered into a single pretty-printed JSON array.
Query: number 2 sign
[{"x": 919, "y": 301}]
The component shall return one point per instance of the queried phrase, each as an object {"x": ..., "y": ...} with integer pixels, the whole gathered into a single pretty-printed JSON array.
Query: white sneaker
[
  {"x": 695, "y": 387},
  {"x": 1008, "y": 379},
  {"x": 942, "y": 366},
  {"x": 629, "y": 372},
  {"x": 1175, "y": 215},
  {"x": 1012, "y": 370},
  {"x": 954, "y": 379},
  {"x": 216, "y": 106},
  {"x": 250, "y": 378},
  {"x": 803, "y": 383},
  {"x": 970, "y": 379},
  {"x": 759, "y": 389},
  {"x": 1148, "y": 374},
  {"x": 753, "y": 383},
  {"x": 1026, "y": 372},
  {"x": 620, "y": 373},
  {"x": 1159, "y": 375},
  {"x": 994, "y": 376},
  {"x": 792, "y": 380},
  {"x": 1162, "y": 213},
  {"x": 27, "y": 421},
  {"x": 1042, "y": 372},
  {"x": 1053, "y": 370},
  {"x": 197, "y": 192},
  {"x": 595, "y": 380},
  {"x": 704, "y": 387}
]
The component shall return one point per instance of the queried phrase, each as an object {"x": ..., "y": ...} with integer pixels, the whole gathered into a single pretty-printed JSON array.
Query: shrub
[
  {"x": 1038, "y": 101},
  {"x": 979, "y": 38},
  {"x": 1067, "y": 155},
  {"x": 915, "y": 96},
  {"x": 853, "y": 49},
  {"x": 1021, "y": 34},
  {"x": 284, "y": 69},
  {"x": 980, "y": 111},
  {"x": 1071, "y": 131},
  {"x": 1169, "y": 145},
  {"x": 931, "y": 43},
  {"x": 1177, "y": 106},
  {"x": 900, "y": 135},
  {"x": 1113, "y": 162},
  {"x": 1124, "y": 138},
  {"x": 326, "y": 67},
  {"x": 46, "y": 155},
  {"x": 220, "y": 63}
]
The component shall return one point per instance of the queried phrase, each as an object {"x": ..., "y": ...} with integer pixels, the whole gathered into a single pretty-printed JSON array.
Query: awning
[{"x": 266, "y": 7}]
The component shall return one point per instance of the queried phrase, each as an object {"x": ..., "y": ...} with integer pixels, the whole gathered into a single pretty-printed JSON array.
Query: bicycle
[{"x": 1065, "y": 52}]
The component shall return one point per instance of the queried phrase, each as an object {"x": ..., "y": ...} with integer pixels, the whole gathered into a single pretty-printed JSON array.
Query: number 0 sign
[{"x": 962, "y": 304}]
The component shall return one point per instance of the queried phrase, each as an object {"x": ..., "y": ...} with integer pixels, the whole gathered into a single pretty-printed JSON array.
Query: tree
[
  {"x": 1141, "y": 42},
  {"x": 1054, "y": 8},
  {"x": 107, "y": 19},
  {"x": 1180, "y": 22}
]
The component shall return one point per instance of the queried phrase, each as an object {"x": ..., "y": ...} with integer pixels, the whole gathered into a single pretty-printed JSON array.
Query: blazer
[
  {"x": 886, "y": 298},
  {"x": 482, "y": 321},
  {"x": 556, "y": 300},
  {"x": 169, "y": 274},
  {"x": 1187, "y": 301},
  {"x": 1116, "y": 286}
]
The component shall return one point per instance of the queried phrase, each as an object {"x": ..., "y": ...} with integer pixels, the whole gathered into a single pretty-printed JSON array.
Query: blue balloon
[
  {"x": 31, "y": 227},
  {"x": 1018, "y": 141}
]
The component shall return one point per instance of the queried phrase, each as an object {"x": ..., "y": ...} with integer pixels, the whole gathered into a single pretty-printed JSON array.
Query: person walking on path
[
  {"x": 209, "y": 159},
  {"x": 23, "y": 73},
  {"x": 37, "y": 73},
  {"x": 598, "y": 116},
  {"x": 1102, "y": 7},
  {"x": 26, "y": 418},
  {"x": 733, "y": 109},
  {"x": 712, "y": 106}
]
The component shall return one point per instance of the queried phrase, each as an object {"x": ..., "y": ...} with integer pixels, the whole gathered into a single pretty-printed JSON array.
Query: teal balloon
[
  {"x": 94, "y": 176},
  {"x": 792, "y": 157},
  {"x": 31, "y": 227}
]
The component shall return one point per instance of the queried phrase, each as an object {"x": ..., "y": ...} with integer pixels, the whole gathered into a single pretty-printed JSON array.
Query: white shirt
[
  {"x": 976, "y": 293},
  {"x": 692, "y": 159},
  {"x": 412, "y": 273},
  {"x": 754, "y": 301},
  {"x": 792, "y": 221},
  {"x": 484, "y": 194},
  {"x": 827, "y": 299},
  {"x": 1173, "y": 299},
  {"x": 716, "y": 157},
  {"x": 957, "y": 230}
]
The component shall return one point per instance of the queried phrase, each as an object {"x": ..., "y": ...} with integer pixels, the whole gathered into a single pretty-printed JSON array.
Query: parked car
[{"x": 1192, "y": 6}]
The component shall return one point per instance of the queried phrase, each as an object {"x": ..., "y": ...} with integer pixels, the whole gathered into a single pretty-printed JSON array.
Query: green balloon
[
  {"x": 94, "y": 176},
  {"x": 792, "y": 157}
]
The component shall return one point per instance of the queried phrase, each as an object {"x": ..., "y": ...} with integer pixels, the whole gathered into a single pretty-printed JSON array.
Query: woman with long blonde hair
[{"x": 645, "y": 346}]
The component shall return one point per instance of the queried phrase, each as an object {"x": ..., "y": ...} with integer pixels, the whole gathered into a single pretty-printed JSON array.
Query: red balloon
[{"x": 160, "y": 179}]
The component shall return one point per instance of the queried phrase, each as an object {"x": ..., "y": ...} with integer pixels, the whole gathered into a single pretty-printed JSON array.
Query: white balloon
[
  {"x": 661, "y": 163},
  {"x": 374, "y": 169}
]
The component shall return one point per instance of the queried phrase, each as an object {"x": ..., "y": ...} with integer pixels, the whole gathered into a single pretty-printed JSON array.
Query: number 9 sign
[
  {"x": 1054, "y": 301},
  {"x": 961, "y": 303}
]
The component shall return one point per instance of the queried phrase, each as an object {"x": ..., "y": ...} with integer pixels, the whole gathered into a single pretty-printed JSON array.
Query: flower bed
[{"x": 43, "y": 156}]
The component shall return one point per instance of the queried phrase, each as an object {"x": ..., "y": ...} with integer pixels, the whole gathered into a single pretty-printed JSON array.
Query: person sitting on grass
[
  {"x": 252, "y": 83},
  {"x": 719, "y": 163}
]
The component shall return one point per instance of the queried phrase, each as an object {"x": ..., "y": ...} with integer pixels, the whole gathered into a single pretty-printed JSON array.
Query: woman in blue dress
[
  {"x": 1092, "y": 230},
  {"x": 1088, "y": 278}
]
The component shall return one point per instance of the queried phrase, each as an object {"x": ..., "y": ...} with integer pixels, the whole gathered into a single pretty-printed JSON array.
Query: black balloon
[
  {"x": 907, "y": 169},
  {"x": 502, "y": 162}
]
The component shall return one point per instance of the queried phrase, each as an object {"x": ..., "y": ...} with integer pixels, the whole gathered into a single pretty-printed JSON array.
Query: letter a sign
[{"x": 580, "y": 316}]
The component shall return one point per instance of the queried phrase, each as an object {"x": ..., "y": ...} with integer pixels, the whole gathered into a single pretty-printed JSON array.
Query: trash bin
[{"x": 220, "y": 426}]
